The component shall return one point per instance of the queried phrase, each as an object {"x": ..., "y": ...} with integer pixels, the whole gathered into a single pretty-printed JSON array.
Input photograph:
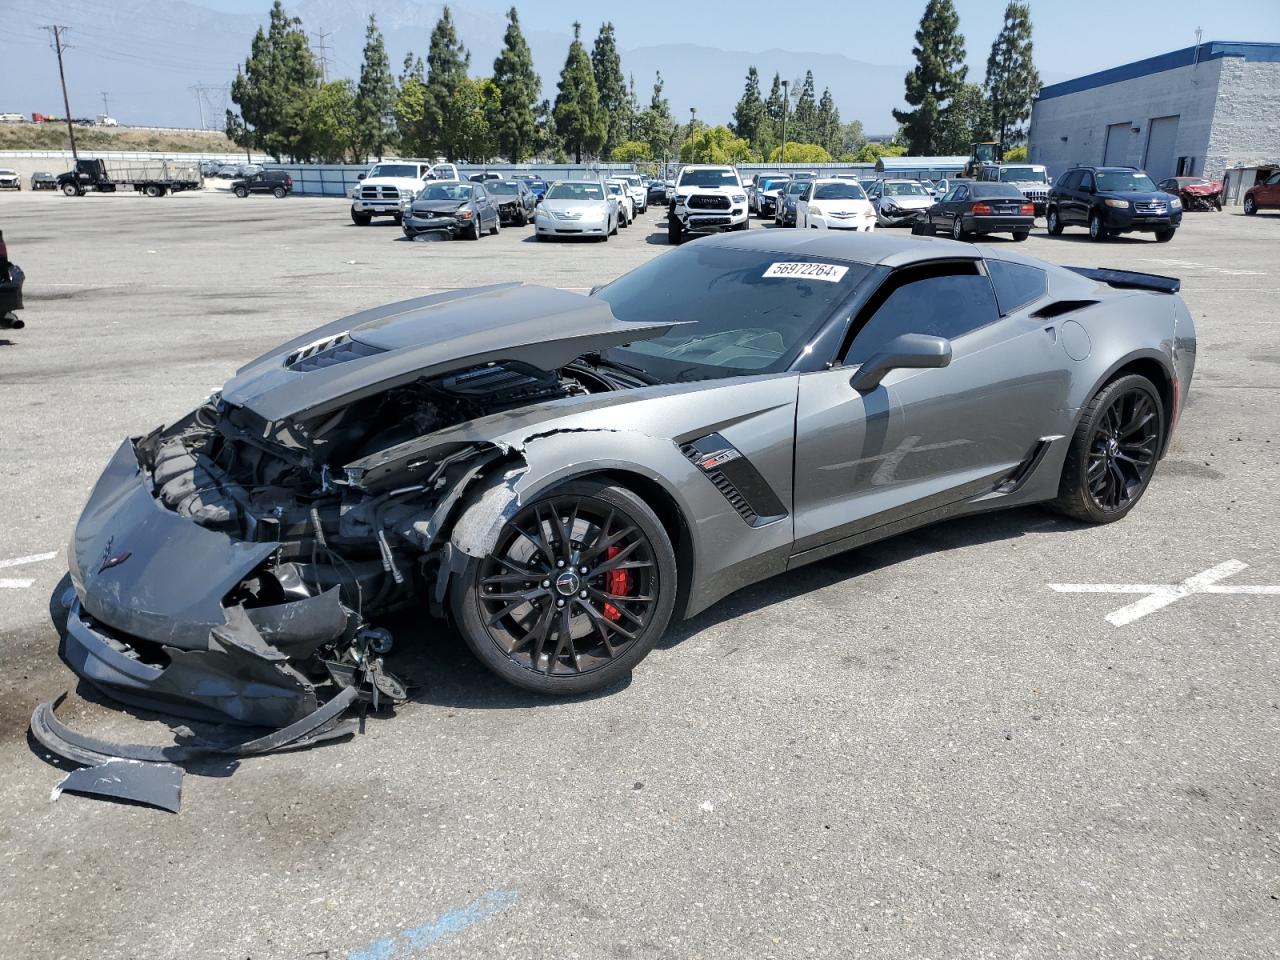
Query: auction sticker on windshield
[{"x": 808, "y": 271}]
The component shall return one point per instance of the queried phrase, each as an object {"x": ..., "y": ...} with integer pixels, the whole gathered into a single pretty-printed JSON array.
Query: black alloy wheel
[
  {"x": 1097, "y": 232},
  {"x": 577, "y": 590},
  {"x": 1113, "y": 452},
  {"x": 1053, "y": 224}
]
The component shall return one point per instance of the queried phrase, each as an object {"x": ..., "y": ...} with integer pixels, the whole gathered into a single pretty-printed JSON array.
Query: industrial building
[{"x": 1196, "y": 111}]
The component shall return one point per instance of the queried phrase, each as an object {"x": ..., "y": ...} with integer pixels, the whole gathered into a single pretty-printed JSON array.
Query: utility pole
[
  {"x": 56, "y": 31},
  {"x": 199, "y": 103},
  {"x": 786, "y": 99},
  {"x": 106, "y": 107},
  {"x": 323, "y": 55}
]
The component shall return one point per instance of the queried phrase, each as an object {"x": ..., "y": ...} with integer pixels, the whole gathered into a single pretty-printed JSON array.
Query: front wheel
[
  {"x": 1250, "y": 206},
  {"x": 577, "y": 590},
  {"x": 240, "y": 192},
  {"x": 360, "y": 219},
  {"x": 1113, "y": 451},
  {"x": 674, "y": 232},
  {"x": 1054, "y": 224},
  {"x": 70, "y": 189},
  {"x": 1164, "y": 236},
  {"x": 1097, "y": 232}
]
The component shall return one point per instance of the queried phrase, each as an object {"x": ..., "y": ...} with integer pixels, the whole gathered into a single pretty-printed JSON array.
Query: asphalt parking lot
[{"x": 920, "y": 749}]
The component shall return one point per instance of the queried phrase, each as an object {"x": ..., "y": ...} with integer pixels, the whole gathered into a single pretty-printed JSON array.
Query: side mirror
[
  {"x": 916, "y": 351},
  {"x": 361, "y": 176}
]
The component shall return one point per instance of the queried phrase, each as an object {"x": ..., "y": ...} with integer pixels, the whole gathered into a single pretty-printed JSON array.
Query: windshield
[
  {"x": 838, "y": 191},
  {"x": 459, "y": 192},
  {"x": 774, "y": 183},
  {"x": 904, "y": 190},
  {"x": 571, "y": 190},
  {"x": 984, "y": 152},
  {"x": 1025, "y": 174},
  {"x": 1118, "y": 181},
  {"x": 505, "y": 189},
  {"x": 614, "y": 188},
  {"x": 751, "y": 311},
  {"x": 713, "y": 177},
  {"x": 394, "y": 170}
]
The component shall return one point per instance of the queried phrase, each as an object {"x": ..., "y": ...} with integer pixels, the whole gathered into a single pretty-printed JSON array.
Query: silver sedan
[{"x": 576, "y": 208}]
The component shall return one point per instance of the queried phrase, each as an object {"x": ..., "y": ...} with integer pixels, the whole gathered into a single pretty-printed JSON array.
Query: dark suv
[
  {"x": 1110, "y": 201},
  {"x": 275, "y": 182}
]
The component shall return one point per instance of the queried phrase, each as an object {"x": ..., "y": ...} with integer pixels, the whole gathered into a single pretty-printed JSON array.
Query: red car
[
  {"x": 1196, "y": 193},
  {"x": 1263, "y": 195}
]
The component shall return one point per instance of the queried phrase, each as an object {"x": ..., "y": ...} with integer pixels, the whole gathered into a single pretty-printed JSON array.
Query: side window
[
  {"x": 1016, "y": 284},
  {"x": 1086, "y": 182},
  {"x": 946, "y": 300},
  {"x": 481, "y": 196},
  {"x": 1274, "y": 180},
  {"x": 1068, "y": 180},
  {"x": 952, "y": 194},
  {"x": 962, "y": 193}
]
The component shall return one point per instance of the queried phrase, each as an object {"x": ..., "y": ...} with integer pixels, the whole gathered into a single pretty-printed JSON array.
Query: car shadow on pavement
[{"x": 937, "y": 538}]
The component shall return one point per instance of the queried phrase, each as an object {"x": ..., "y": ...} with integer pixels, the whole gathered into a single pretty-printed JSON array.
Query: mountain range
[{"x": 147, "y": 57}]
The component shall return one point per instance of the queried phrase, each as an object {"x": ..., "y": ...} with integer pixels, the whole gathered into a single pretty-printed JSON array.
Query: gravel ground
[{"x": 915, "y": 750}]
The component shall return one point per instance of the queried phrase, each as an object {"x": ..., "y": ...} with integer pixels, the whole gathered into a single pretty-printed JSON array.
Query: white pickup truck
[
  {"x": 707, "y": 198},
  {"x": 389, "y": 183}
]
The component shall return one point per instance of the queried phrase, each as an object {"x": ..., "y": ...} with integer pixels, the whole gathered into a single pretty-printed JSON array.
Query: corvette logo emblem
[{"x": 109, "y": 559}]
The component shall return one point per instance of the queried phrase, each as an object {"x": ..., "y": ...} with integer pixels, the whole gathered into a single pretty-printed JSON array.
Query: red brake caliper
[{"x": 617, "y": 582}]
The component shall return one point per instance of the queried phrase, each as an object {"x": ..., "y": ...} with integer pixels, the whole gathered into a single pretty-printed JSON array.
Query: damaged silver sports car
[{"x": 559, "y": 476}]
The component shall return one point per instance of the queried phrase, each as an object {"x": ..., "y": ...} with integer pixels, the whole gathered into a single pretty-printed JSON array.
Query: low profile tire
[
  {"x": 360, "y": 219},
  {"x": 1250, "y": 206},
  {"x": 240, "y": 192},
  {"x": 279, "y": 193},
  {"x": 1097, "y": 232},
  {"x": 674, "y": 233},
  {"x": 1113, "y": 451},
  {"x": 1053, "y": 223},
  {"x": 1164, "y": 236},
  {"x": 957, "y": 229},
  {"x": 522, "y": 612},
  {"x": 1020, "y": 235}
]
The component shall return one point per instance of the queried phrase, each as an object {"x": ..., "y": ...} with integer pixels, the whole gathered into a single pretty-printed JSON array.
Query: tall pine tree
[
  {"x": 773, "y": 108},
  {"x": 1012, "y": 80},
  {"x": 580, "y": 122},
  {"x": 611, "y": 87},
  {"x": 937, "y": 76},
  {"x": 375, "y": 101},
  {"x": 274, "y": 89},
  {"x": 749, "y": 117},
  {"x": 828, "y": 124},
  {"x": 655, "y": 127},
  {"x": 803, "y": 125},
  {"x": 447, "y": 62},
  {"x": 515, "y": 127},
  {"x": 410, "y": 108}
]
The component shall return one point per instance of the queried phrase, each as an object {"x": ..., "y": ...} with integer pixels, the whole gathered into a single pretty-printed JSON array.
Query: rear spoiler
[{"x": 1130, "y": 279}]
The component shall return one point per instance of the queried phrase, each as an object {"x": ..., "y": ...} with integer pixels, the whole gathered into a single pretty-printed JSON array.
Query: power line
[
  {"x": 323, "y": 55},
  {"x": 57, "y": 31}
]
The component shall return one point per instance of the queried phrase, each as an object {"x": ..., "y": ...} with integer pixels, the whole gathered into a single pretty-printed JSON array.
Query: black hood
[{"x": 380, "y": 348}]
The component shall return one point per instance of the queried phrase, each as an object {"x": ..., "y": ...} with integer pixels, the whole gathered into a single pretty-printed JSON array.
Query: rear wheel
[
  {"x": 957, "y": 229},
  {"x": 1020, "y": 235},
  {"x": 578, "y": 588},
  {"x": 1113, "y": 451},
  {"x": 1097, "y": 232},
  {"x": 279, "y": 193},
  {"x": 1053, "y": 223},
  {"x": 151, "y": 190},
  {"x": 240, "y": 192}
]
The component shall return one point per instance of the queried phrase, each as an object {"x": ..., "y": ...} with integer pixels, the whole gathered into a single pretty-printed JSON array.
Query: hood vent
[{"x": 326, "y": 353}]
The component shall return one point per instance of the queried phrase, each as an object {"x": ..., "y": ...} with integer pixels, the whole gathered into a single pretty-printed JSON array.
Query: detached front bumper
[
  {"x": 898, "y": 216},
  {"x": 416, "y": 226}
]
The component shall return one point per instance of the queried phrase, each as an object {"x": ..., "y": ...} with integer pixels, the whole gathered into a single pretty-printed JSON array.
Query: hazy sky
[{"x": 1071, "y": 36}]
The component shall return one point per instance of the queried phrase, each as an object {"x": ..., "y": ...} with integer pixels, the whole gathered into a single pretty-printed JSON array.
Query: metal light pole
[{"x": 786, "y": 99}]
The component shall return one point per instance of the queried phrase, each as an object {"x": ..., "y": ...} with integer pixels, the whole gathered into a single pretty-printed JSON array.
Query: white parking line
[
  {"x": 15, "y": 584},
  {"x": 34, "y": 558},
  {"x": 1161, "y": 595}
]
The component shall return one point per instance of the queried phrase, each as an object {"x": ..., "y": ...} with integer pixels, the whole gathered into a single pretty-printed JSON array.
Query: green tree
[
  {"x": 750, "y": 117},
  {"x": 375, "y": 97},
  {"x": 852, "y": 140},
  {"x": 411, "y": 108},
  {"x": 515, "y": 127},
  {"x": 631, "y": 151},
  {"x": 274, "y": 88},
  {"x": 1016, "y": 154},
  {"x": 611, "y": 88},
  {"x": 828, "y": 124},
  {"x": 1012, "y": 80},
  {"x": 773, "y": 108},
  {"x": 580, "y": 122},
  {"x": 800, "y": 153},
  {"x": 655, "y": 126},
  {"x": 803, "y": 123},
  {"x": 871, "y": 152},
  {"x": 333, "y": 123},
  {"x": 715, "y": 145},
  {"x": 939, "y": 72},
  {"x": 465, "y": 120},
  {"x": 967, "y": 121},
  {"x": 447, "y": 62}
]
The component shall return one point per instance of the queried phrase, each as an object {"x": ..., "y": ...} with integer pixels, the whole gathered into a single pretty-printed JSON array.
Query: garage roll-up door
[
  {"x": 1161, "y": 139},
  {"x": 1116, "y": 151}
]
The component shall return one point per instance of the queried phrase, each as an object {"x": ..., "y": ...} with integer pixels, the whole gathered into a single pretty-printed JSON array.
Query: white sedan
[{"x": 835, "y": 204}]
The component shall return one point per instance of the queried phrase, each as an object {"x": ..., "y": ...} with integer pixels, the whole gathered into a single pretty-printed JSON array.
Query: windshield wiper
[{"x": 600, "y": 360}]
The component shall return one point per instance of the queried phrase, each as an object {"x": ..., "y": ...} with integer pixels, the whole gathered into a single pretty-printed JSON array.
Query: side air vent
[
  {"x": 327, "y": 353},
  {"x": 736, "y": 478},
  {"x": 1059, "y": 307}
]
